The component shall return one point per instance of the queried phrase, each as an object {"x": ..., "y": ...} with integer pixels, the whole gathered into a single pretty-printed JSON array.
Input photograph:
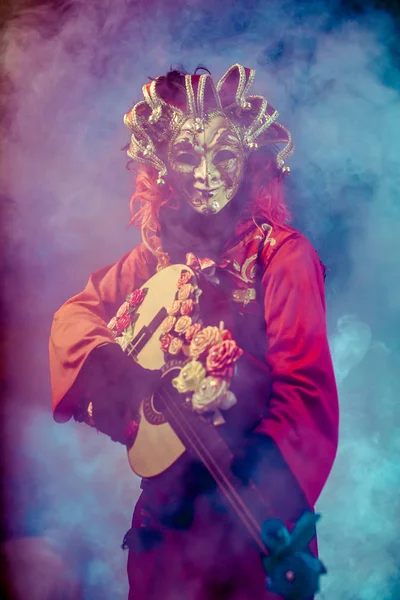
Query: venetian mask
[{"x": 207, "y": 161}]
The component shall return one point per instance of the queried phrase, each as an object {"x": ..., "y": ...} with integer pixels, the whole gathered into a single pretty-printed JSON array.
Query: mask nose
[{"x": 205, "y": 174}]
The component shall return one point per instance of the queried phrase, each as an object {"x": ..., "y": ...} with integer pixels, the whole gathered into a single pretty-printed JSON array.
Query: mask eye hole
[
  {"x": 187, "y": 159},
  {"x": 223, "y": 155}
]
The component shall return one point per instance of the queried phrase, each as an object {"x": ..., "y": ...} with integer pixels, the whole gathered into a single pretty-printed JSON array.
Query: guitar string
[{"x": 240, "y": 508}]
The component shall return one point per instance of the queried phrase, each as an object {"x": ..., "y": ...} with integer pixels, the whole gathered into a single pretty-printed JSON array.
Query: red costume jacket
[{"x": 275, "y": 269}]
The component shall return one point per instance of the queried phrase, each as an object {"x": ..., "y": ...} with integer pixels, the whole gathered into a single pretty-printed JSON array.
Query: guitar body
[{"x": 156, "y": 446}]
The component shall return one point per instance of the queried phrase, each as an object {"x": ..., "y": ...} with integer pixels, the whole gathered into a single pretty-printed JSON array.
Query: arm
[
  {"x": 302, "y": 416},
  {"x": 79, "y": 331}
]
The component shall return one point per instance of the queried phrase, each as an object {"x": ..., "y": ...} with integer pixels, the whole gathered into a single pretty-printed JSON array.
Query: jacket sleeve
[
  {"x": 80, "y": 325},
  {"x": 302, "y": 416}
]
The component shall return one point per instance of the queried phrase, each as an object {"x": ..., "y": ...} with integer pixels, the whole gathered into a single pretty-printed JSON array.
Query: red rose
[
  {"x": 165, "y": 341},
  {"x": 136, "y": 298},
  {"x": 184, "y": 278},
  {"x": 221, "y": 358},
  {"x": 226, "y": 335},
  {"x": 122, "y": 323},
  {"x": 187, "y": 307},
  {"x": 191, "y": 332}
]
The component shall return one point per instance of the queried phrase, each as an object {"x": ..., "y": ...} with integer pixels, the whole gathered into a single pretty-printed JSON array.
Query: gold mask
[
  {"x": 207, "y": 160},
  {"x": 207, "y": 128}
]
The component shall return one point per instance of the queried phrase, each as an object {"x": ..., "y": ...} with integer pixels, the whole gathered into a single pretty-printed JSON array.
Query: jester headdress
[{"x": 156, "y": 120}]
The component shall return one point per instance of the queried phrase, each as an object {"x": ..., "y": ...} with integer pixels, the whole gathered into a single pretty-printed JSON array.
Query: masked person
[{"x": 211, "y": 164}]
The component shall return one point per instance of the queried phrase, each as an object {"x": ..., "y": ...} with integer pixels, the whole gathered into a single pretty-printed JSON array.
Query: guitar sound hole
[
  {"x": 152, "y": 411},
  {"x": 153, "y": 408}
]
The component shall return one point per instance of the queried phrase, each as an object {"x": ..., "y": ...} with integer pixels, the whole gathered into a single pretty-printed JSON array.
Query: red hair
[
  {"x": 262, "y": 186},
  {"x": 146, "y": 203}
]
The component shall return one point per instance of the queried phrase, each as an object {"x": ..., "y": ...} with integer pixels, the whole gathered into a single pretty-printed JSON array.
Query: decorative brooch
[{"x": 207, "y": 376}]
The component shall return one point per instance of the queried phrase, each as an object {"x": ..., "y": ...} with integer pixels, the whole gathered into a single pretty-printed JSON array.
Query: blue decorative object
[{"x": 291, "y": 570}]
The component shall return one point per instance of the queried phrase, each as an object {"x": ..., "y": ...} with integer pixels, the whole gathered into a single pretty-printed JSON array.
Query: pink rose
[
  {"x": 136, "y": 298},
  {"x": 165, "y": 341},
  {"x": 221, "y": 358},
  {"x": 187, "y": 307},
  {"x": 123, "y": 322},
  {"x": 191, "y": 332}
]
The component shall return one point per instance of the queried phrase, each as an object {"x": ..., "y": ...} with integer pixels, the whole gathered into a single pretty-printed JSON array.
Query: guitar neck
[{"x": 204, "y": 442}]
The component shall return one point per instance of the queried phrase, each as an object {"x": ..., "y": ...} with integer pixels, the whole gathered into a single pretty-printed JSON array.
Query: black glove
[
  {"x": 115, "y": 385},
  {"x": 256, "y": 451},
  {"x": 260, "y": 460},
  {"x": 251, "y": 385}
]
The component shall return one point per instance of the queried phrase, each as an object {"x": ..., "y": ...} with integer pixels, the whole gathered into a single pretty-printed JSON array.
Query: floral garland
[
  {"x": 121, "y": 325},
  {"x": 179, "y": 327},
  {"x": 212, "y": 351}
]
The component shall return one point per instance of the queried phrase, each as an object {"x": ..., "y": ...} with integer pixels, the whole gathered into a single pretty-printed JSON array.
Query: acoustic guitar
[{"x": 170, "y": 423}]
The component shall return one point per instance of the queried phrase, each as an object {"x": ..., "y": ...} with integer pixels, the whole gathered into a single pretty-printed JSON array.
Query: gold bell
[
  {"x": 147, "y": 150},
  {"x": 199, "y": 125}
]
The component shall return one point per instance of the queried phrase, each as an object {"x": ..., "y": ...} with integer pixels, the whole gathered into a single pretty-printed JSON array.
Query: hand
[
  {"x": 256, "y": 449},
  {"x": 115, "y": 385},
  {"x": 260, "y": 460},
  {"x": 251, "y": 385}
]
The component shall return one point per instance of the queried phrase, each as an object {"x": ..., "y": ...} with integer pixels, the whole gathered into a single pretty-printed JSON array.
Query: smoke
[
  {"x": 70, "y": 71},
  {"x": 349, "y": 345}
]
